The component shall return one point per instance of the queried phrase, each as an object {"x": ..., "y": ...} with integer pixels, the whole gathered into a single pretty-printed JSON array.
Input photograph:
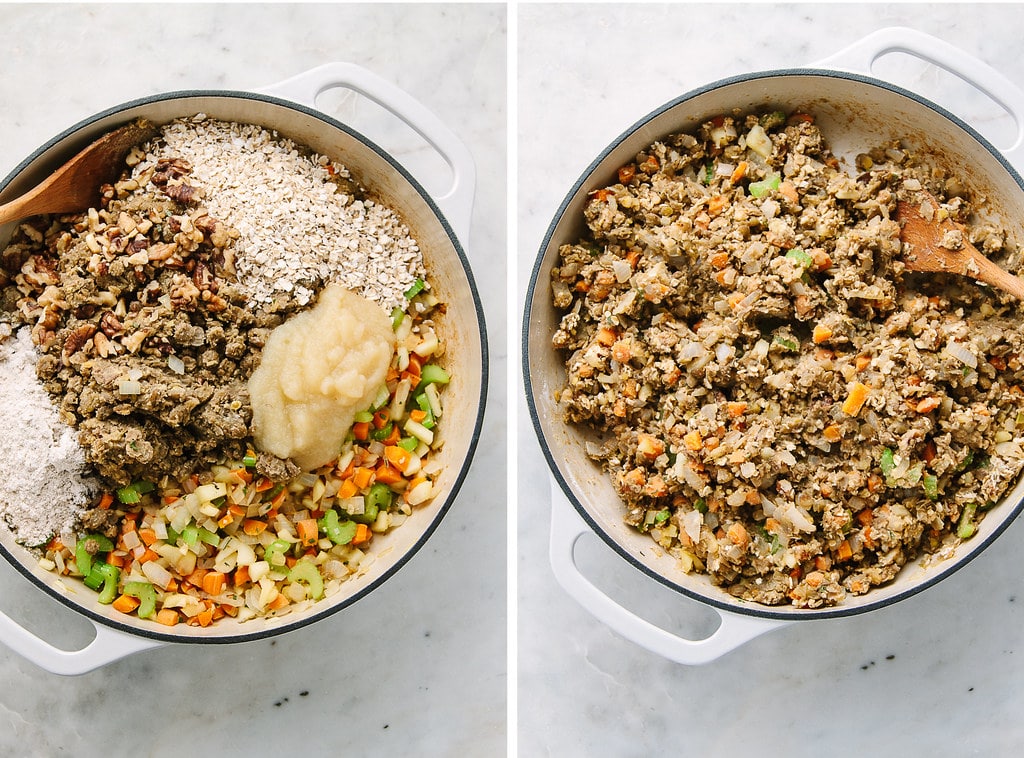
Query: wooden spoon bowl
[
  {"x": 75, "y": 185},
  {"x": 932, "y": 242}
]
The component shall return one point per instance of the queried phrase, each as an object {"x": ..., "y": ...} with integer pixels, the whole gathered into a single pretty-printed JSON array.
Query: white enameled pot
[
  {"x": 441, "y": 226},
  {"x": 856, "y": 112}
]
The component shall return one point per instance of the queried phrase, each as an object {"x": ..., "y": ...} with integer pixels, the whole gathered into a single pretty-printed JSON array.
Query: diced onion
[
  {"x": 157, "y": 574},
  {"x": 176, "y": 364},
  {"x": 129, "y": 387},
  {"x": 961, "y": 353}
]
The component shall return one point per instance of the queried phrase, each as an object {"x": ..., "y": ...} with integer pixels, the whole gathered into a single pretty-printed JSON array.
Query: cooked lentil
[{"x": 783, "y": 405}]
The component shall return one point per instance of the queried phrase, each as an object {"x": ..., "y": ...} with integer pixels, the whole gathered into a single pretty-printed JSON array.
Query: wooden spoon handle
[{"x": 990, "y": 273}]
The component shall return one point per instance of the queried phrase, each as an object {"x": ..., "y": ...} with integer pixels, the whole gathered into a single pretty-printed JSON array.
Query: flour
[{"x": 44, "y": 480}]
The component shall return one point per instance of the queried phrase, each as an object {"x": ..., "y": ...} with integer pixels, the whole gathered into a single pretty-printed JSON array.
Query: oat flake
[{"x": 296, "y": 224}]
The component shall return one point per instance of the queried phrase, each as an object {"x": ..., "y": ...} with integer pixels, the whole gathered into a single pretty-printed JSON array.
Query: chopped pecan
[
  {"x": 39, "y": 271},
  {"x": 76, "y": 339},
  {"x": 183, "y": 193},
  {"x": 139, "y": 243},
  {"x": 170, "y": 168},
  {"x": 110, "y": 325},
  {"x": 161, "y": 251}
]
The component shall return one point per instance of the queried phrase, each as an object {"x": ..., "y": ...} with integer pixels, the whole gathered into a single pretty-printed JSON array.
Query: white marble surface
[
  {"x": 938, "y": 674},
  {"x": 417, "y": 667}
]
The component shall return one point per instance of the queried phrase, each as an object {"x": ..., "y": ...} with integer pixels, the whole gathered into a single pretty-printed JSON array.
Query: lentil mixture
[
  {"x": 784, "y": 406},
  {"x": 148, "y": 315}
]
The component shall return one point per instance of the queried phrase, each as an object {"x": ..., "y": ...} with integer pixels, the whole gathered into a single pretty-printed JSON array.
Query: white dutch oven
[
  {"x": 856, "y": 112},
  {"x": 441, "y": 226}
]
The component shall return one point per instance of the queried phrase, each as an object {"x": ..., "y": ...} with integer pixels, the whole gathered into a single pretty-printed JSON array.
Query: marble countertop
[
  {"x": 387, "y": 676},
  {"x": 936, "y": 674}
]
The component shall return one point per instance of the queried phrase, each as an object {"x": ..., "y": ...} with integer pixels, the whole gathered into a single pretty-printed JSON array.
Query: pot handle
[
  {"x": 861, "y": 56},
  {"x": 735, "y": 630},
  {"x": 106, "y": 647},
  {"x": 457, "y": 202}
]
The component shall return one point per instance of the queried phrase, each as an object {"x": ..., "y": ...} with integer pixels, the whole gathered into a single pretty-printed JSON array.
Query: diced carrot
[
  {"x": 753, "y": 497},
  {"x": 822, "y": 260},
  {"x": 278, "y": 499},
  {"x": 739, "y": 172},
  {"x": 363, "y": 534},
  {"x": 290, "y": 561},
  {"x": 875, "y": 483},
  {"x": 788, "y": 191},
  {"x": 115, "y": 559},
  {"x": 821, "y": 334},
  {"x": 717, "y": 204},
  {"x": 167, "y": 616},
  {"x": 277, "y": 603},
  {"x": 862, "y": 362},
  {"x": 229, "y": 610},
  {"x": 148, "y": 556},
  {"x": 106, "y": 501},
  {"x": 844, "y": 551},
  {"x": 649, "y": 445},
  {"x": 397, "y": 456},
  {"x": 719, "y": 260},
  {"x": 226, "y": 519},
  {"x": 864, "y": 516},
  {"x": 242, "y": 576},
  {"x": 822, "y": 562},
  {"x": 633, "y": 258},
  {"x": 626, "y": 173},
  {"x": 253, "y": 527},
  {"x": 386, "y": 474},
  {"x": 796, "y": 118},
  {"x": 606, "y": 336},
  {"x": 693, "y": 440},
  {"x": 856, "y": 398},
  {"x": 736, "y": 408},
  {"x": 417, "y": 415},
  {"x": 308, "y": 531},
  {"x": 148, "y": 536},
  {"x": 196, "y": 577},
  {"x": 380, "y": 419},
  {"x": 362, "y": 477},
  {"x": 361, "y": 430},
  {"x": 263, "y": 484},
  {"x": 348, "y": 489},
  {"x": 393, "y": 436},
  {"x": 205, "y": 618},
  {"x": 772, "y": 525},
  {"x": 125, "y": 604},
  {"x": 213, "y": 582},
  {"x": 172, "y": 585},
  {"x": 243, "y": 473},
  {"x": 415, "y": 482},
  {"x": 927, "y": 405},
  {"x": 832, "y": 433},
  {"x": 735, "y": 299}
]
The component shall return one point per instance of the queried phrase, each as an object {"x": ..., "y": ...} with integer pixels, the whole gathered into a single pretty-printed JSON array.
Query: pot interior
[
  {"x": 460, "y": 329},
  {"x": 855, "y": 114}
]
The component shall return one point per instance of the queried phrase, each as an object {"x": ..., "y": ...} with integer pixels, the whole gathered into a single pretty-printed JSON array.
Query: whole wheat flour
[{"x": 45, "y": 483}]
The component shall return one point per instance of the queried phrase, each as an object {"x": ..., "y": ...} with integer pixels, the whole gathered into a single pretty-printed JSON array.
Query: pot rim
[
  {"x": 283, "y": 624},
  {"x": 941, "y": 571}
]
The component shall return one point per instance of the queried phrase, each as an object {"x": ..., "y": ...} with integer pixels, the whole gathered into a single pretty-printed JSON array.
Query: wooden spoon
[
  {"x": 923, "y": 248},
  {"x": 75, "y": 185}
]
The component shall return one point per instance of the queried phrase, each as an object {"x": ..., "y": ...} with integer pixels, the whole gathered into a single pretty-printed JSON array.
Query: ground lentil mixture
[
  {"x": 782, "y": 405},
  {"x": 149, "y": 314}
]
